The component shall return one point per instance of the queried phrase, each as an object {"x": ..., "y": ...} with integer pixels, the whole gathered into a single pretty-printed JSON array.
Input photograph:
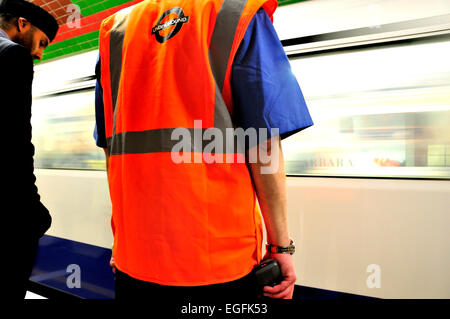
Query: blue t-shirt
[
  {"x": 265, "y": 92},
  {"x": 99, "y": 130}
]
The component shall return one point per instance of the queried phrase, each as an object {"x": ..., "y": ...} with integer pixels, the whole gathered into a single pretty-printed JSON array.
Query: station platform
[{"x": 32, "y": 296}]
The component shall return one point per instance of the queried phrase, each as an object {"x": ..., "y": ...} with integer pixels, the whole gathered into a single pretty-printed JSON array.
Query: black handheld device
[{"x": 268, "y": 273}]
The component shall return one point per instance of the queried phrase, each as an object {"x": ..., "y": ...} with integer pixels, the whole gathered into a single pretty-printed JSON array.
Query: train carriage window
[
  {"x": 378, "y": 112},
  {"x": 62, "y": 132}
]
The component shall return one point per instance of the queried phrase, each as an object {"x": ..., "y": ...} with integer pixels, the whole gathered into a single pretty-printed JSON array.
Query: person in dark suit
[{"x": 25, "y": 31}]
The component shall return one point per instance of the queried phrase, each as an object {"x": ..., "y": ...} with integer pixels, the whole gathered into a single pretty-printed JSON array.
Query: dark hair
[{"x": 7, "y": 20}]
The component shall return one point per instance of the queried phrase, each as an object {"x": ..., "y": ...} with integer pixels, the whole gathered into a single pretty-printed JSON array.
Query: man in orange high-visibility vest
[{"x": 181, "y": 77}]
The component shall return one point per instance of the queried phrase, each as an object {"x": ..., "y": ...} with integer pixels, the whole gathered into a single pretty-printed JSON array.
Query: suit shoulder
[
  {"x": 5, "y": 44},
  {"x": 12, "y": 53}
]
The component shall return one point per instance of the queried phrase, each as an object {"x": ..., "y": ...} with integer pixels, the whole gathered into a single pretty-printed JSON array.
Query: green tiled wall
[
  {"x": 89, "y": 7},
  {"x": 284, "y": 2},
  {"x": 89, "y": 41},
  {"x": 85, "y": 42}
]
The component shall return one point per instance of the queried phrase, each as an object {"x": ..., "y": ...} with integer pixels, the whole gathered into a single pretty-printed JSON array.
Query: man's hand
[
  {"x": 112, "y": 264},
  {"x": 285, "y": 289}
]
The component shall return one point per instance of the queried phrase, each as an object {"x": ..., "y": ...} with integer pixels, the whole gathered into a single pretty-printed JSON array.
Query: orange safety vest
[{"x": 167, "y": 65}]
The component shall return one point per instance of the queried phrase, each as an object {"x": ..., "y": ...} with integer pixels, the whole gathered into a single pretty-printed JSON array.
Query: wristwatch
[{"x": 281, "y": 249}]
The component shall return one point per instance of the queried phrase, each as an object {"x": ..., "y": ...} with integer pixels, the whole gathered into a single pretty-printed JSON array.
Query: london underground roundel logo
[{"x": 177, "y": 22}]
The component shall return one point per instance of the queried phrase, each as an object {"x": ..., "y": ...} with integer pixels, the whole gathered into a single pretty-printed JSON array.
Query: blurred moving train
[{"x": 368, "y": 184}]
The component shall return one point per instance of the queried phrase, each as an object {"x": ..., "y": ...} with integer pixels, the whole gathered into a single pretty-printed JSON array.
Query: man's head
[{"x": 28, "y": 24}]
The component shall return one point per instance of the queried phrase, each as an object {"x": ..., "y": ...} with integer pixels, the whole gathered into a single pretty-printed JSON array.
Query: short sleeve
[
  {"x": 99, "y": 130},
  {"x": 266, "y": 93}
]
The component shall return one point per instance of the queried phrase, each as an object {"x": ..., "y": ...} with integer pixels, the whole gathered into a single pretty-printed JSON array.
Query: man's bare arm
[
  {"x": 111, "y": 261},
  {"x": 107, "y": 159},
  {"x": 271, "y": 192},
  {"x": 272, "y": 198}
]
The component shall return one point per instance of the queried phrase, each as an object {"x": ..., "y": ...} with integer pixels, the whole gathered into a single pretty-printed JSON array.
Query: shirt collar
[{"x": 4, "y": 35}]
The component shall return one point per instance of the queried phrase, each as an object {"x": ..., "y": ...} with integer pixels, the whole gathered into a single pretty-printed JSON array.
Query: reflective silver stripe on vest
[
  {"x": 223, "y": 37},
  {"x": 219, "y": 53},
  {"x": 159, "y": 140},
  {"x": 115, "y": 58},
  {"x": 152, "y": 141}
]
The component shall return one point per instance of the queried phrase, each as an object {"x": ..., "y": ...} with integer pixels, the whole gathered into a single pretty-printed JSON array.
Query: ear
[{"x": 23, "y": 25}]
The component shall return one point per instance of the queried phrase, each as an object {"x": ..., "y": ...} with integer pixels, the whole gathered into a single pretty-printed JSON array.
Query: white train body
[{"x": 368, "y": 184}]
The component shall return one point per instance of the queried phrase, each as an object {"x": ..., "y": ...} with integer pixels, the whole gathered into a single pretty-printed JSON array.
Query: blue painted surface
[
  {"x": 54, "y": 257},
  {"x": 56, "y": 254}
]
